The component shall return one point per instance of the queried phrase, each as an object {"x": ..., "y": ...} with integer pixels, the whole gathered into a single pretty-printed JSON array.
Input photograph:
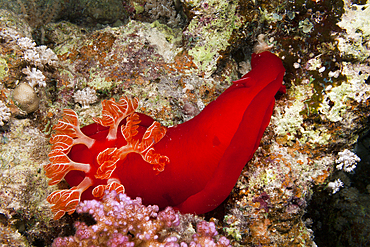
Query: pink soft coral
[{"x": 121, "y": 221}]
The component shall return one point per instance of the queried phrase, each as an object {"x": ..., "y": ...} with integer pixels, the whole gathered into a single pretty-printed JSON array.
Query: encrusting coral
[
  {"x": 121, "y": 221},
  {"x": 161, "y": 164}
]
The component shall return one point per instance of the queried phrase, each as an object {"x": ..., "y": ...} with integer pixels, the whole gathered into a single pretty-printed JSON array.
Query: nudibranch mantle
[{"x": 192, "y": 166}]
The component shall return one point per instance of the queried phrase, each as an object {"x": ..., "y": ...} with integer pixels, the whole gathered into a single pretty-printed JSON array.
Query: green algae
[
  {"x": 4, "y": 69},
  {"x": 209, "y": 32}
]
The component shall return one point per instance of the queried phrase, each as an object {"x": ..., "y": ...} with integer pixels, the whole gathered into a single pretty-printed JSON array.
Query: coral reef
[
  {"x": 177, "y": 69},
  {"x": 38, "y": 56},
  {"x": 24, "y": 62},
  {"x": 356, "y": 22},
  {"x": 323, "y": 114},
  {"x": 24, "y": 211}
]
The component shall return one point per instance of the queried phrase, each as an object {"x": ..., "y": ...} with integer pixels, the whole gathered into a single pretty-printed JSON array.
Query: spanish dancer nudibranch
[{"x": 192, "y": 166}]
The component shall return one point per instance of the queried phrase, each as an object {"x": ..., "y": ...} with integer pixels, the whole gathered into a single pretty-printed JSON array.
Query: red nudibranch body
[{"x": 192, "y": 166}]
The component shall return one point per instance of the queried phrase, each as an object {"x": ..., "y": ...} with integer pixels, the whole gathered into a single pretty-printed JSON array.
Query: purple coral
[
  {"x": 124, "y": 222},
  {"x": 204, "y": 236}
]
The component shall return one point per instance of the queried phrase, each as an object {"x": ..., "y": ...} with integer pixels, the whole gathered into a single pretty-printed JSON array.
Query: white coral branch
[
  {"x": 34, "y": 77},
  {"x": 347, "y": 161},
  {"x": 85, "y": 97},
  {"x": 335, "y": 186}
]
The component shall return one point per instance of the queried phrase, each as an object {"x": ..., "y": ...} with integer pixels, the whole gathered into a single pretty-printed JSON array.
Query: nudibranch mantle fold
[{"x": 192, "y": 166}]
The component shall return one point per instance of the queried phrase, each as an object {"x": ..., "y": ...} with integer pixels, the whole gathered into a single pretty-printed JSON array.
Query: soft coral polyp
[{"x": 192, "y": 166}]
